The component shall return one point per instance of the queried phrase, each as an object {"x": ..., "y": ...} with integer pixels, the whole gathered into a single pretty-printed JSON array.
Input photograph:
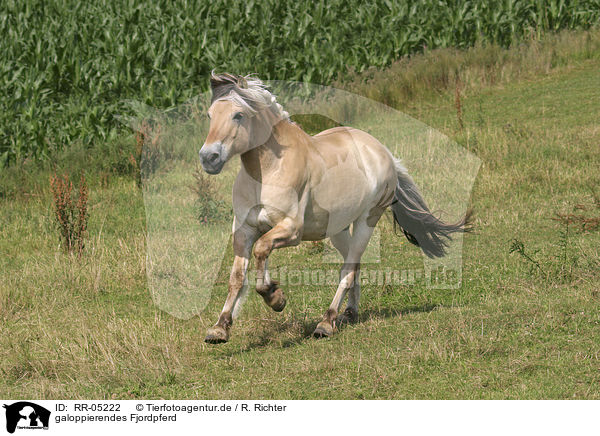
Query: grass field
[{"x": 517, "y": 328}]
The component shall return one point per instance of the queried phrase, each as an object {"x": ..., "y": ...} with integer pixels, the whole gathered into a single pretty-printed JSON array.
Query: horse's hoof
[
  {"x": 350, "y": 316},
  {"x": 216, "y": 335},
  {"x": 279, "y": 302},
  {"x": 273, "y": 296},
  {"x": 323, "y": 330}
]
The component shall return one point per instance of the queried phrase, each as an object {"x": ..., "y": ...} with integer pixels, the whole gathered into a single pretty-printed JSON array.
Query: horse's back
[
  {"x": 348, "y": 136},
  {"x": 337, "y": 142},
  {"x": 334, "y": 130}
]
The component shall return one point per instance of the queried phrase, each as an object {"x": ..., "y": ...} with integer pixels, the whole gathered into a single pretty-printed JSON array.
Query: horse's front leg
[
  {"x": 284, "y": 234},
  {"x": 243, "y": 239}
]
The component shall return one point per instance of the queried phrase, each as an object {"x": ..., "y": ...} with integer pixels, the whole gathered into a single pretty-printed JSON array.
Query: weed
[
  {"x": 517, "y": 246},
  {"x": 150, "y": 154},
  {"x": 562, "y": 263},
  {"x": 582, "y": 215},
  {"x": 517, "y": 132},
  {"x": 458, "y": 103},
  {"x": 586, "y": 223},
  {"x": 480, "y": 121},
  {"x": 565, "y": 260},
  {"x": 71, "y": 214},
  {"x": 210, "y": 207},
  {"x": 104, "y": 179}
]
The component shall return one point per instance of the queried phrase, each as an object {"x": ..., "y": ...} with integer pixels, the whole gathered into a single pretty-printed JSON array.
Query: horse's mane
[{"x": 247, "y": 91}]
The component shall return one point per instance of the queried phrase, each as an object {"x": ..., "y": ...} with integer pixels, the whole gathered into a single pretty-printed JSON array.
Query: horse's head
[{"x": 242, "y": 115}]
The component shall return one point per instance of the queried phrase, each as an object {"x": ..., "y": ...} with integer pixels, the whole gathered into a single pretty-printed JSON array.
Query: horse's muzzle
[{"x": 212, "y": 158}]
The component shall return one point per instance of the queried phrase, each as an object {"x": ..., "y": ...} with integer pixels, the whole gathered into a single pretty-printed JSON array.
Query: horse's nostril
[{"x": 212, "y": 157}]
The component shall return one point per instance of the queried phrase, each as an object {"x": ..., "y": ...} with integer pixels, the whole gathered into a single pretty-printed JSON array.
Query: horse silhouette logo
[{"x": 26, "y": 415}]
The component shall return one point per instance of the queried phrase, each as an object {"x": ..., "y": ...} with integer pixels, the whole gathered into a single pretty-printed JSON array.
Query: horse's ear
[
  {"x": 241, "y": 82},
  {"x": 215, "y": 81}
]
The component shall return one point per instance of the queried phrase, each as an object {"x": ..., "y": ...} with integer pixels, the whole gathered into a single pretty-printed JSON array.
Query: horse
[{"x": 288, "y": 191}]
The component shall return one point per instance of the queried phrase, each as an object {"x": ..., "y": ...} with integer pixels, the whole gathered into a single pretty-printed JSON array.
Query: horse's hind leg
[
  {"x": 341, "y": 242},
  {"x": 348, "y": 277},
  {"x": 284, "y": 234},
  {"x": 350, "y": 315}
]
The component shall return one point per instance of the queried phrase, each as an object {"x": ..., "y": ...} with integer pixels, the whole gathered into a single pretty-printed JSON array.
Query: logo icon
[{"x": 26, "y": 415}]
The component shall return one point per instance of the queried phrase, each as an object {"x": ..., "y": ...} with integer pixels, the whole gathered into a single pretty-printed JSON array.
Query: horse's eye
[
  {"x": 208, "y": 115},
  {"x": 238, "y": 116}
]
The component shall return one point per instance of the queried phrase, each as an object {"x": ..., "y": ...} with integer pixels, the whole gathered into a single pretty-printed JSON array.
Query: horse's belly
[
  {"x": 316, "y": 223},
  {"x": 334, "y": 206}
]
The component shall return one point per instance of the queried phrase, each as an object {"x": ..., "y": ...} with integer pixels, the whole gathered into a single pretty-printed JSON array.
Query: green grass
[{"x": 88, "y": 328}]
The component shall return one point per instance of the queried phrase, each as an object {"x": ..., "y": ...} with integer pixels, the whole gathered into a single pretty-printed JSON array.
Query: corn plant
[{"x": 67, "y": 65}]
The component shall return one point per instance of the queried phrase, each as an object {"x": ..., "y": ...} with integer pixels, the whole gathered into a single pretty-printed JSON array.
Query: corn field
[{"x": 67, "y": 66}]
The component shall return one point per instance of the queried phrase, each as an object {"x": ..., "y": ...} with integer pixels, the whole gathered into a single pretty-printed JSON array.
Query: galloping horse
[{"x": 288, "y": 191}]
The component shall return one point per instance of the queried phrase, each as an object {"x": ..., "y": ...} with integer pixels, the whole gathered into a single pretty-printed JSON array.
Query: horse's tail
[{"x": 419, "y": 225}]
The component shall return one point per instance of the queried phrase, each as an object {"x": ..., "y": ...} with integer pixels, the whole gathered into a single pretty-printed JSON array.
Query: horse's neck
[
  {"x": 286, "y": 143},
  {"x": 261, "y": 159}
]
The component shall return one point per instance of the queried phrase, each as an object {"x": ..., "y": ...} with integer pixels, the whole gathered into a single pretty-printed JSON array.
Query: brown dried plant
[
  {"x": 71, "y": 214},
  {"x": 583, "y": 215}
]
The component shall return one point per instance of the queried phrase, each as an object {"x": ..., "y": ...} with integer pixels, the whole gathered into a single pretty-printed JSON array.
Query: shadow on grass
[
  {"x": 385, "y": 313},
  {"x": 299, "y": 331}
]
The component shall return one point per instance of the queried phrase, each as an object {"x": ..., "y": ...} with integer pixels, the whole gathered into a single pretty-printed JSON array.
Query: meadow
[{"x": 524, "y": 323}]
